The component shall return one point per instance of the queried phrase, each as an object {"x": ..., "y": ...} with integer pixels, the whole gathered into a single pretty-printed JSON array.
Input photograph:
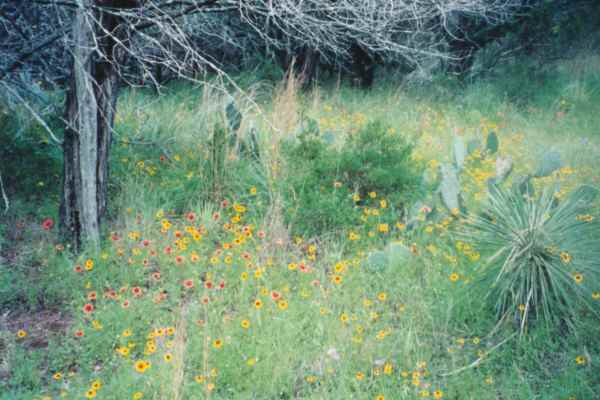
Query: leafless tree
[{"x": 102, "y": 35}]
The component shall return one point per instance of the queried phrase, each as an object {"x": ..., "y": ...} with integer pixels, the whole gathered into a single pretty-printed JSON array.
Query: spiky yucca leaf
[{"x": 543, "y": 258}]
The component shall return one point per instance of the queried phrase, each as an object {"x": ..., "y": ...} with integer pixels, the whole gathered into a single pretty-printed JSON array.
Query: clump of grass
[{"x": 542, "y": 255}]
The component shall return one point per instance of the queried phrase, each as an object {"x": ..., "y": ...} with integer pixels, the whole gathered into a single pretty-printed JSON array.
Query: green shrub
[
  {"x": 544, "y": 257},
  {"x": 325, "y": 179}
]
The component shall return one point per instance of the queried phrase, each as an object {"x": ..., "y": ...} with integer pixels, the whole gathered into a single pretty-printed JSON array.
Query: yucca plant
[{"x": 543, "y": 262}]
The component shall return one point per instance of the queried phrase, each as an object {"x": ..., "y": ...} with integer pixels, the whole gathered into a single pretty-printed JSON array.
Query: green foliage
[
  {"x": 325, "y": 178},
  {"x": 543, "y": 258}
]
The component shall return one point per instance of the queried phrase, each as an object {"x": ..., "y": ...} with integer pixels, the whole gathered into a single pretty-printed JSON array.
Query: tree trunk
[
  {"x": 79, "y": 205},
  {"x": 90, "y": 113}
]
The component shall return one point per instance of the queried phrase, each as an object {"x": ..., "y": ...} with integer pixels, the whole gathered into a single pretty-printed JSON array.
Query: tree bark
[
  {"x": 79, "y": 205},
  {"x": 90, "y": 113}
]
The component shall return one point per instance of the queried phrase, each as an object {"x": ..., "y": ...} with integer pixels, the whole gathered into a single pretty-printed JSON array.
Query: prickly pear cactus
[
  {"x": 377, "y": 260},
  {"x": 504, "y": 166},
  {"x": 450, "y": 188},
  {"x": 549, "y": 163},
  {"x": 460, "y": 152},
  {"x": 398, "y": 253},
  {"x": 492, "y": 143},
  {"x": 473, "y": 145}
]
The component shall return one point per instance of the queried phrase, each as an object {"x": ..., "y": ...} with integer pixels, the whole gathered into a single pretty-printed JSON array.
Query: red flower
[
  {"x": 79, "y": 333},
  {"x": 191, "y": 217},
  {"x": 208, "y": 284},
  {"x": 222, "y": 285},
  {"x": 168, "y": 250},
  {"x": 145, "y": 243},
  {"x": 261, "y": 234},
  {"x": 78, "y": 268},
  {"x": 188, "y": 283},
  {"x": 205, "y": 299},
  {"x": 216, "y": 216},
  {"x": 156, "y": 276},
  {"x": 92, "y": 296},
  {"x": 114, "y": 237},
  {"x": 137, "y": 291},
  {"x": 178, "y": 234},
  {"x": 275, "y": 295},
  {"x": 88, "y": 308},
  {"x": 224, "y": 203},
  {"x": 47, "y": 224},
  {"x": 125, "y": 304},
  {"x": 179, "y": 259}
]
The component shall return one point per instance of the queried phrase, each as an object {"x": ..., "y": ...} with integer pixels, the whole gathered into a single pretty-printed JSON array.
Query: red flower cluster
[{"x": 47, "y": 224}]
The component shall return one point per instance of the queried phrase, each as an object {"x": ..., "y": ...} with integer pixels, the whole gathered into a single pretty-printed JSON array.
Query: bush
[
  {"x": 328, "y": 182},
  {"x": 544, "y": 257}
]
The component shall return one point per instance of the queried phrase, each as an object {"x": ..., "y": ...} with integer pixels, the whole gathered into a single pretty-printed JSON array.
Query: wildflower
[
  {"x": 47, "y": 224},
  {"x": 360, "y": 376},
  {"x": 253, "y": 190},
  {"x": 382, "y": 296},
  {"x": 89, "y": 264},
  {"x": 383, "y": 228},
  {"x": 141, "y": 366},
  {"x": 138, "y": 395},
  {"x": 596, "y": 295},
  {"x": 188, "y": 283},
  {"x": 199, "y": 379},
  {"x": 21, "y": 334},
  {"x": 580, "y": 360},
  {"x": 372, "y": 195},
  {"x": 489, "y": 380},
  {"x": 168, "y": 357},
  {"x": 438, "y": 394},
  {"x": 454, "y": 277},
  {"x": 380, "y": 397},
  {"x": 57, "y": 376},
  {"x": 565, "y": 257},
  {"x": 90, "y": 394},
  {"x": 88, "y": 308},
  {"x": 282, "y": 304},
  {"x": 79, "y": 333},
  {"x": 245, "y": 324},
  {"x": 578, "y": 277},
  {"x": 258, "y": 304}
]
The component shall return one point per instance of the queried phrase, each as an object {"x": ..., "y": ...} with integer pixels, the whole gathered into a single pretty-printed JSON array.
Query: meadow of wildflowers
[{"x": 203, "y": 291}]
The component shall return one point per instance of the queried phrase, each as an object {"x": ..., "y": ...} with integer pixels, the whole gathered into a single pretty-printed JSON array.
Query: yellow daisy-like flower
[
  {"x": 21, "y": 334},
  {"x": 97, "y": 384},
  {"x": 580, "y": 360},
  {"x": 90, "y": 394},
  {"x": 454, "y": 277},
  {"x": 360, "y": 376},
  {"x": 217, "y": 343},
  {"x": 382, "y": 296},
  {"x": 138, "y": 395},
  {"x": 199, "y": 378},
  {"x": 245, "y": 324},
  {"x": 282, "y": 305},
  {"x": 258, "y": 304},
  {"x": 578, "y": 277},
  {"x": 168, "y": 357},
  {"x": 57, "y": 376},
  {"x": 141, "y": 366},
  {"x": 380, "y": 397},
  {"x": 438, "y": 394}
]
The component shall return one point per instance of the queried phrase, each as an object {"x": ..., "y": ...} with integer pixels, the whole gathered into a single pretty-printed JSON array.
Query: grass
[{"x": 331, "y": 323}]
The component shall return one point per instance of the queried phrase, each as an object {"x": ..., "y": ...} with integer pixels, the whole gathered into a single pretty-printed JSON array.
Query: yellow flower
[
  {"x": 596, "y": 295},
  {"x": 258, "y": 304},
  {"x": 580, "y": 360},
  {"x": 90, "y": 394},
  {"x": 282, "y": 304},
  {"x": 438, "y": 394},
  {"x": 251, "y": 362},
  {"x": 382, "y": 296},
  {"x": 578, "y": 277},
  {"x": 380, "y": 397},
  {"x": 253, "y": 190},
  {"x": 89, "y": 264},
  {"x": 97, "y": 384},
  {"x": 383, "y": 228},
  {"x": 57, "y": 376},
  {"x": 454, "y": 277},
  {"x": 360, "y": 376},
  {"x": 138, "y": 395},
  {"x": 141, "y": 366},
  {"x": 565, "y": 257},
  {"x": 245, "y": 324},
  {"x": 21, "y": 334},
  {"x": 217, "y": 343},
  {"x": 372, "y": 195},
  {"x": 168, "y": 357},
  {"x": 199, "y": 379},
  {"x": 344, "y": 317}
]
